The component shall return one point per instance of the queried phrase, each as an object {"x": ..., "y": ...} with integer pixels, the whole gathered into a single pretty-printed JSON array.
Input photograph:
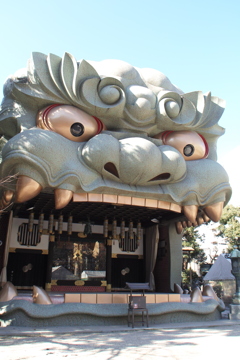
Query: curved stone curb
[
  {"x": 103, "y": 310},
  {"x": 21, "y": 312}
]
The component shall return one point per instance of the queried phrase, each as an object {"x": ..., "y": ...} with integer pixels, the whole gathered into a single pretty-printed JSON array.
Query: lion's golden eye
[
  {"x": 189, "y": 143},
  {"x": 70, "y": 122}
]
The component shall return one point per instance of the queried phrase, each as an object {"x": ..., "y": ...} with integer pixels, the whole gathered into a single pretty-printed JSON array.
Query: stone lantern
[{"x": 235, "y": 307}]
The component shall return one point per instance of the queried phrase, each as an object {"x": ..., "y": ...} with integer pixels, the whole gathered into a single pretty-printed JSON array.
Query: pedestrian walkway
[
  {"x": 176, "y": 341},
  {"x": 31, "y": 331}
]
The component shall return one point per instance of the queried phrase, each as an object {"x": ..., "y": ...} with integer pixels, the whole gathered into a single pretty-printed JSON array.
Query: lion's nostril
[
  {"x": 111, "y": 168},
  {"x": 164, "y": 176}
]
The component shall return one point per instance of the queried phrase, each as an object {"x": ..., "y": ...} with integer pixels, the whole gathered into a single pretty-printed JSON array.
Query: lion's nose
[{"x": 133, "y": 161}]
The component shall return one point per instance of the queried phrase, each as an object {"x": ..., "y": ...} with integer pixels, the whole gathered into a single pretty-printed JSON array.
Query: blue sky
[{"x": 194, "y": 43}]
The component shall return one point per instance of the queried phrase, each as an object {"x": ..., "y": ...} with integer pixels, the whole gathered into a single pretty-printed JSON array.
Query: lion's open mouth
[{"x": 99, "y": 205}]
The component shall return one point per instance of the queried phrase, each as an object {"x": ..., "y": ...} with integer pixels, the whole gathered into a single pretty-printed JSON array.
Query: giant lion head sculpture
[{"x": 109, "y": 129}]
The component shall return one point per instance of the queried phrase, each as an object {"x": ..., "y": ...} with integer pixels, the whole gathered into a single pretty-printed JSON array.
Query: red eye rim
[
  {"x": 99, "y": 124},
  {"x": 50, "y": 107},
  {"x": 46, "y": 112},
  {"x": 206, "y": 146},
  {"x": 166, "y": 133}
]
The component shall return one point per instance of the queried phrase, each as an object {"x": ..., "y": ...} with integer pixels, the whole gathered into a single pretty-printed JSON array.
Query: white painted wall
[
  {"x": 43, "y": 245},
  {"x": 117, "y": 250}
]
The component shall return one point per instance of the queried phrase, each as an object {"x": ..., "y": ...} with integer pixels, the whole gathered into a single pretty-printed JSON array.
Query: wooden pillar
[
  {"x": 109, "y": 264},
  {"x": 4, "y": 245},
  {"x": 49, "y": 262}
]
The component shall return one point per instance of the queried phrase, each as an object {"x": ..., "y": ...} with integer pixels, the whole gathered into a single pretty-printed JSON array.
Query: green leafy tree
[
  {"x": 189, "y": 276},
  {"x": 191, "y": 239},
  {"x": 229, "y": 227}
]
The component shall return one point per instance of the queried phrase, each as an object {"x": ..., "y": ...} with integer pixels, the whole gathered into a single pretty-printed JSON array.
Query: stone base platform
[{"x": 25, "y": 313}]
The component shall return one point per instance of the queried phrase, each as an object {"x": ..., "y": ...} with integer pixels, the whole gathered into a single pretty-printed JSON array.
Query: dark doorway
[
  {"x": 26, "y": 269},
  {"x": 127, "y": 269},
  {"x": 162, "y": 267}
]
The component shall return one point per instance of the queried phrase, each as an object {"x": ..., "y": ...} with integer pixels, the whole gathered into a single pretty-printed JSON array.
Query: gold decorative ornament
[
  {"x": 105, "y": 228},
  {"x": 139, "y": 231},
  {"x": 60, "y": 224},
  {"x": 52, "y": 238},
  {"x": 79, "y": 282},
  {"x": 50, "y": 223},
  {"x": 130, "y": 230},
  {"x": 82, "y": 235},
  {"x": 122, "y": 229},
  {"x": 40, "y": 222},
  {"x": 109, "y": 287},
  {"x": 114, "y": 229},
  {"x": 53, "y": 282},
  {"x": 48, "y": 286},
  {"x": 30, "y": 222},
  {"x": 69, "y": 229}
]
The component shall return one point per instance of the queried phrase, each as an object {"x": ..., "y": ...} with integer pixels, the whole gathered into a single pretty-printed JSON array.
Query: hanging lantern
[
  {"x": 30, "y": 222},
  {"x": 122, "y": 229},
  {"x": 50, "y": 224},
  {"x": 69, "y": 228},
  {"x": 114, "y": 229},
  {"x": 130, "y": 230},
  {"x": 40, "y": 223},
  {"x": 105, "y": 228},
  {"x": 60, "y": 224},
  {"x": 139, "y": 231}
]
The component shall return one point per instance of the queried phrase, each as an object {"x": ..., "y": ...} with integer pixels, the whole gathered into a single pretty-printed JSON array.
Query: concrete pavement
[
  {"x": 31, "y": 331},
  {"x": 176, "y": 341}
]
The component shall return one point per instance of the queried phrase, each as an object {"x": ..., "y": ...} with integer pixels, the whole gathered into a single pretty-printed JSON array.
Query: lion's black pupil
[
  {"x": 77, "y": 129},
  {"x": 188, "y": 150}
]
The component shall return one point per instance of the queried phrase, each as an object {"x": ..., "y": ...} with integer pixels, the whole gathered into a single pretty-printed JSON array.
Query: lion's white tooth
[
  {"x": 62, "y": 197},
  {"x": 214, "y": 211},
  {"x": 8, "y": 195},
  {"x": 190, "y": 211},
  {"x": 179, "y": 227},
  {"x": 184, "y": 224},
  {"x": 205, "y": 217},
  {"x": 26, "y": 189},
  {"x": 200, "y": 220}
]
